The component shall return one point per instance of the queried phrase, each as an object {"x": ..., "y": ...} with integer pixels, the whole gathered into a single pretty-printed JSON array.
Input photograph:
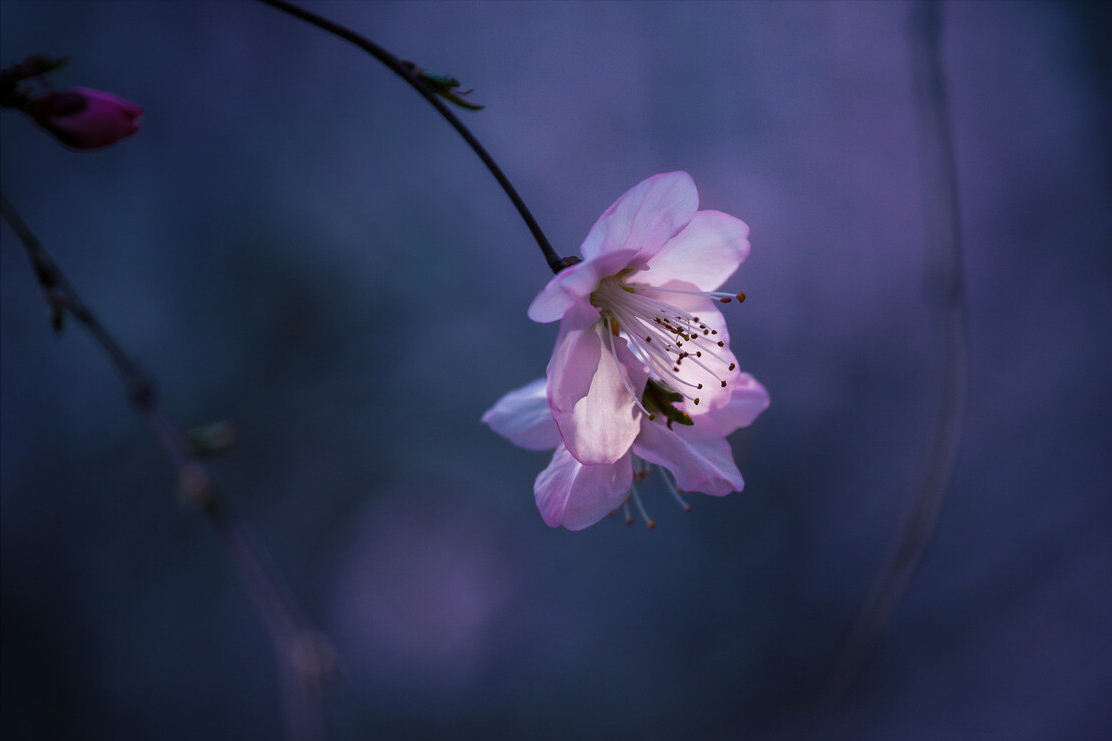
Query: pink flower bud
[{"x": 84, "y": 118}]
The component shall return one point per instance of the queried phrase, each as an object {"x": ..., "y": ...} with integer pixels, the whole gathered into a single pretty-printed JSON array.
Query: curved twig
[
  {"x": 406, "y": 73},
  {"x": 302, "y": 652}
]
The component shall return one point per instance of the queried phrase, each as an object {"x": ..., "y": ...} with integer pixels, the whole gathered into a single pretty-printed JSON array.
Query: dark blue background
[{"x": 297, "y": 242}]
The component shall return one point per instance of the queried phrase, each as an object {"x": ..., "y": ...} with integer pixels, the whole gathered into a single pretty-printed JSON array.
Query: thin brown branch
[
  {"x": 302, "y": 652},
  {"x": 945, "y": 283},
  {"x": 555, "y": 262}
]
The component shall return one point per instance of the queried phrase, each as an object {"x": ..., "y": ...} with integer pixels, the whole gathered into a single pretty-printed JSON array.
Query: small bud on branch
[{"x": 444, "y": 86}]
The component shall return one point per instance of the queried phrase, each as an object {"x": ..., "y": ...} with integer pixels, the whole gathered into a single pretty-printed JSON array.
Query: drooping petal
[
  {"x": 702, "y": 463},
  {"x": 748, "y": 398},
  {"x": 576, "y": 496},
  {"x": 705, "y": 253},
  {"x": 573, "y": 285},
  {"x": 645, "y": 217},
  {"x": 522, "y": 416},
  {"x": 595, "y": 413}
]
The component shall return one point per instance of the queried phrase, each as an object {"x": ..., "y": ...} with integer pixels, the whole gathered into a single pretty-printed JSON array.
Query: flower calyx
[
  {"x": 567, "y": 262},
  {"x": 13, "y": 93},
  {"x": 660, "y": 399}
]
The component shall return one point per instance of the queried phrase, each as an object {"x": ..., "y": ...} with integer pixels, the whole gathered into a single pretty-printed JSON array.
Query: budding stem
[{"x": 554, "y": 260}]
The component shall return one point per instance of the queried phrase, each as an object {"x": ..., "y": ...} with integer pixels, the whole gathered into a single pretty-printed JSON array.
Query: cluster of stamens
[{"x": 663, "y": 337}]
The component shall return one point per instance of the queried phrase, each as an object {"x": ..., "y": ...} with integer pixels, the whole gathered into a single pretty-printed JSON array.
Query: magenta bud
[{"x": 84, "y": 118}]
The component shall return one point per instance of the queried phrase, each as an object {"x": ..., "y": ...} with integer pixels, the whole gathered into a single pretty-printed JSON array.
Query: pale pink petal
[
  {"x": 712, "y": 374},
  {"x": 748, "y": 398},
  {"x": 576, "y": 496},
  {"x": 574, "y": 285},
  {"x": 523, "y": 417},
  {"x": 596, "y": 415},
  {"x": 699, "y": 463},
  {"x": 705, "y": 253},
  {"x": 645, "y": 217},
  {"x": 575, "y": 360}
]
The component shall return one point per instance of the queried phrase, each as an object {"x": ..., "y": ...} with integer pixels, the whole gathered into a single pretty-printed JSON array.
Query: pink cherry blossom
[
  {"x": 84, "y": 118},
  {"x": 643, "y": 304},
  {"x": 642, "y": 373},
  {"x": 577, "y": 495}
]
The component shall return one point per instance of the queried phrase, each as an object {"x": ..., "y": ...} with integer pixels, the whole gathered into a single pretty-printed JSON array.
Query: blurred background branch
[
  {"x": 305, "y": 657},
  {"x": 945, "y": 289}
]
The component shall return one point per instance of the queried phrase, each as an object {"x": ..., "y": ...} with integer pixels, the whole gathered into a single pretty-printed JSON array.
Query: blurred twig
[
  {"x": 409, "y": 73},
  {"x": 945, "y": 284},
  {"x": 304, "y": 655}
]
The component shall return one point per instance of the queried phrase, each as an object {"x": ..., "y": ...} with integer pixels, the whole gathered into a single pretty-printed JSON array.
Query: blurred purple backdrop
[{"x": 296, "y": 241}]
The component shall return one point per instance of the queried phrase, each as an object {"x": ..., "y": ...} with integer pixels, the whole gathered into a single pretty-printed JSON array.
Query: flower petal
[
  {"x": 522, "y": 416},
  {"x": 596, "y": 415},
  {"x": 748, "y": 398},
  {"x": 576, "y": 496},
  {"x": 702, "y": 463},
  {"x": 574, "y": 285},
  {"x": 645, "y": 217},
  {"x": 705, "y": 253},
  {"x": 713, "y": 372}
]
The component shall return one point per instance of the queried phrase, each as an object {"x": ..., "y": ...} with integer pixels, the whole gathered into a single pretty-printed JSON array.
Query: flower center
[{"x": 667, "y": 339}]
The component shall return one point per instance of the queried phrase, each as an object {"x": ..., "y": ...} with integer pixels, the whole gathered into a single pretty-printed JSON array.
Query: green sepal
[
  {"x": 660, "y": 399},
  {"x": 435, "y": 78},
  {"x": 444, "y": 86}
]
